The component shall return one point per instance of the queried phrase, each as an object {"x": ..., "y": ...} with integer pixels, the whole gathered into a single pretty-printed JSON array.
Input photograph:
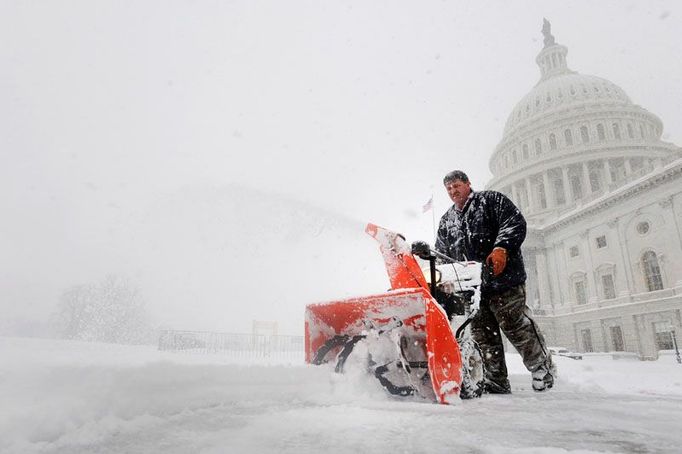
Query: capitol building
[{"x": 602, "y": 194}]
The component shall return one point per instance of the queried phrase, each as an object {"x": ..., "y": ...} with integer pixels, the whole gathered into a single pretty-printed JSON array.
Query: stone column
[
  {"x": 533, "y": 273},
  {"x": 623, "y": 277},
  {"x": 607, "y": 173},
  {"x": 549, "y": 191},
  {"x": 674, "y": 272},
  {"x": 567, "y": 185},
  {"x": 562, "y": 266},
  {"x": 591, "y": 282},
  {"x": 628, "y": 166},
  {"x": 529, "y": 194},
  {"x": 625, "y": 251},
  {"x": 586, "y": 177},
  {"x": 543, "y": 281},
  {"x": 515, "y": 195},
  {"x": 554, "y": 277}
]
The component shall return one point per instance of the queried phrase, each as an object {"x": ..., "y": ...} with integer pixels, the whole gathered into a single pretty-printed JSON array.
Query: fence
[{"x": 239, "y": 346}]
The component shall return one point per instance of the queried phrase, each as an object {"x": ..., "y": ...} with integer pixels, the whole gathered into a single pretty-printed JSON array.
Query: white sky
[{"x": 110, "y": 110}]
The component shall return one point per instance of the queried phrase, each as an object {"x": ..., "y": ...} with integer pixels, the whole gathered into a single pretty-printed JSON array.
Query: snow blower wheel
[{"x": 473, "y": 372}]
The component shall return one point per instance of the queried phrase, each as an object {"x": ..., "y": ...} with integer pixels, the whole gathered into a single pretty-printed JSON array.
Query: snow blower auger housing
[{"x": 403, "y": 336}]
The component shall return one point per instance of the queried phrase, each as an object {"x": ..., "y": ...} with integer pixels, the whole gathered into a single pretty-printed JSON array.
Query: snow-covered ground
[{"x": 71, "y": 397}]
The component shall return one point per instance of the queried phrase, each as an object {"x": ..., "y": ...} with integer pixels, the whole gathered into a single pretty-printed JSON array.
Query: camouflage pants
[{"x": 508, "y": 312}]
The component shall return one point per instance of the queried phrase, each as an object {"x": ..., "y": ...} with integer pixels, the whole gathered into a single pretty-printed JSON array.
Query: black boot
[{"x": 497, "y": 387}]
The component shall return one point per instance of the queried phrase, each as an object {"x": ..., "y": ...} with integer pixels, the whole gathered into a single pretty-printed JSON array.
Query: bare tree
[{"x": 109, "y": 311}]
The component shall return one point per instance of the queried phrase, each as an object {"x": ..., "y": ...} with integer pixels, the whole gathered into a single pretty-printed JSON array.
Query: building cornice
[
  {"x": 633, "y": 307},
  {"x": 670, "y": 172},
  {"x": 580, "y": 153}
]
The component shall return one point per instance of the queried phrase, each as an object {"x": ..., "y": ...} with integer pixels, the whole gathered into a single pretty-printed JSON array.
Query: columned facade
[{"x": 602, "y": 194}]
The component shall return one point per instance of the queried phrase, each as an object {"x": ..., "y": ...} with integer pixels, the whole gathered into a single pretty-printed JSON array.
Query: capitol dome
[
  {"x": 573, "y": 138},
  {"x": 563, "y": 91}
]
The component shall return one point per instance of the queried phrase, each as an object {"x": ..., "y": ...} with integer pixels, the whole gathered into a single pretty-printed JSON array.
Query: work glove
[
  {"x": 421, "y": 249},
  {"x": 497, "y": 260}
]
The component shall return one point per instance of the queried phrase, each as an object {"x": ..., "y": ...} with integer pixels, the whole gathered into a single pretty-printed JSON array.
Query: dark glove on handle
[{"x": 422, "y": 250}]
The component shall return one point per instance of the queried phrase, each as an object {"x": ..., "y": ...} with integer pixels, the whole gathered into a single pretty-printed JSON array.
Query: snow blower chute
[{"x": 403, "y": 337}]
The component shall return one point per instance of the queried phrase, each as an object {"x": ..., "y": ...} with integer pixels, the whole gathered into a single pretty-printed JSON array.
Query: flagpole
[
  {"x": 433, "y": 218},
  {"x": 429, "y": 206}
]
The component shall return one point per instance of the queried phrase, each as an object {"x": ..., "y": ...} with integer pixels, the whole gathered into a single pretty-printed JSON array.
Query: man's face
[{"x": 458, "y": 191}]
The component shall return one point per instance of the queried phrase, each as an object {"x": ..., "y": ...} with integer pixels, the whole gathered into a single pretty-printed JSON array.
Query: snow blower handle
[{"x": 423, "y": 250}]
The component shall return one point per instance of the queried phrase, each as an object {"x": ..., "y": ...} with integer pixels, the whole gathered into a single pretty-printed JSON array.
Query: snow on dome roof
[{"x": 561, "y": 91}]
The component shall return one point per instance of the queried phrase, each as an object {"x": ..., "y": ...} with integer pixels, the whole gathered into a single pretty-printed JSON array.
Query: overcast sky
[{"x": 124, "y": 124}]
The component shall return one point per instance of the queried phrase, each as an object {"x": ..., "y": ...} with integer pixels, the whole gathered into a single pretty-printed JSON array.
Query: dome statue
[{"x": 547, "y": 33}]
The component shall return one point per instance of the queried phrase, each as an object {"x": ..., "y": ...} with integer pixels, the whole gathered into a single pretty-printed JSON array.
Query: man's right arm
[{"x": 442, "y": 240}]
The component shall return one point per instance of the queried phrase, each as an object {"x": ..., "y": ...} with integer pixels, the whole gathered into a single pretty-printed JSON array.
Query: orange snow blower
[{"x": 403, "y": 337}]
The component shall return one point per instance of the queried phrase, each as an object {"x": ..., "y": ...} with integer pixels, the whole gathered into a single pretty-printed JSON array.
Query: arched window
[
  {"x": 616, "y": 130},
  {"x": 601, "y": 133},
  {"x": 569, "y": 137},
  {"x": 652, "y": 271},
  {"x": 552, "y": 141},
  {"x": 538, "y": 147},
  {"x": 515, "y": 158},
  {"x": 584, "y": 135},
  {"x": 525, "y": 151},
  {"x": 631, "y": 133},
  {"x": 641, "y": 131}
]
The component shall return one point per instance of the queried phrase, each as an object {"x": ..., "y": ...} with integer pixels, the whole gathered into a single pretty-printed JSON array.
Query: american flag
[{"x": 428, "y": 205}]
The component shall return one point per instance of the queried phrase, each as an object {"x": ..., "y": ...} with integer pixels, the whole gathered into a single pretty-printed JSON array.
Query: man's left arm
[
  {"x": 510, "y": 235},
  {"x": 512, "y": 230}
]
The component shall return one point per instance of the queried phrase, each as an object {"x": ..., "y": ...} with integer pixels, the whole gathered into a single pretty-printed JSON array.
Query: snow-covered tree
[{"x": 109, "y": 311}]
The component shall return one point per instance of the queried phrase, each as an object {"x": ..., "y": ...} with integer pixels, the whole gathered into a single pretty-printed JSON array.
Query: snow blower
[{"x": 404, "y": 337}]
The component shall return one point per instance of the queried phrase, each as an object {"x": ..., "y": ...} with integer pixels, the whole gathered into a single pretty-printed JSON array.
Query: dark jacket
[{"x": 487, "y": 220}]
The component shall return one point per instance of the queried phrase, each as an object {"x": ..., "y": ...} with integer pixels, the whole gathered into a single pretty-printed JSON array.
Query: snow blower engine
[{"x": 405, "y": 337}]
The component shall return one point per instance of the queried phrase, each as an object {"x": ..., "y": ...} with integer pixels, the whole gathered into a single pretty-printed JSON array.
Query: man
[{"x": 487, "y": 227}]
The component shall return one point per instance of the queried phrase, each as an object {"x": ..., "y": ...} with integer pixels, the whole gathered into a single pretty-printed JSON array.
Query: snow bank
[
  {"x": 75, "y": 397},
  {"x": 57, "y": 394},
  {"x": 602, "y": 374}
]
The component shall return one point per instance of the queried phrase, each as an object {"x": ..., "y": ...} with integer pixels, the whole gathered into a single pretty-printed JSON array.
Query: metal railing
[{"x": 239, "y": 346}]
